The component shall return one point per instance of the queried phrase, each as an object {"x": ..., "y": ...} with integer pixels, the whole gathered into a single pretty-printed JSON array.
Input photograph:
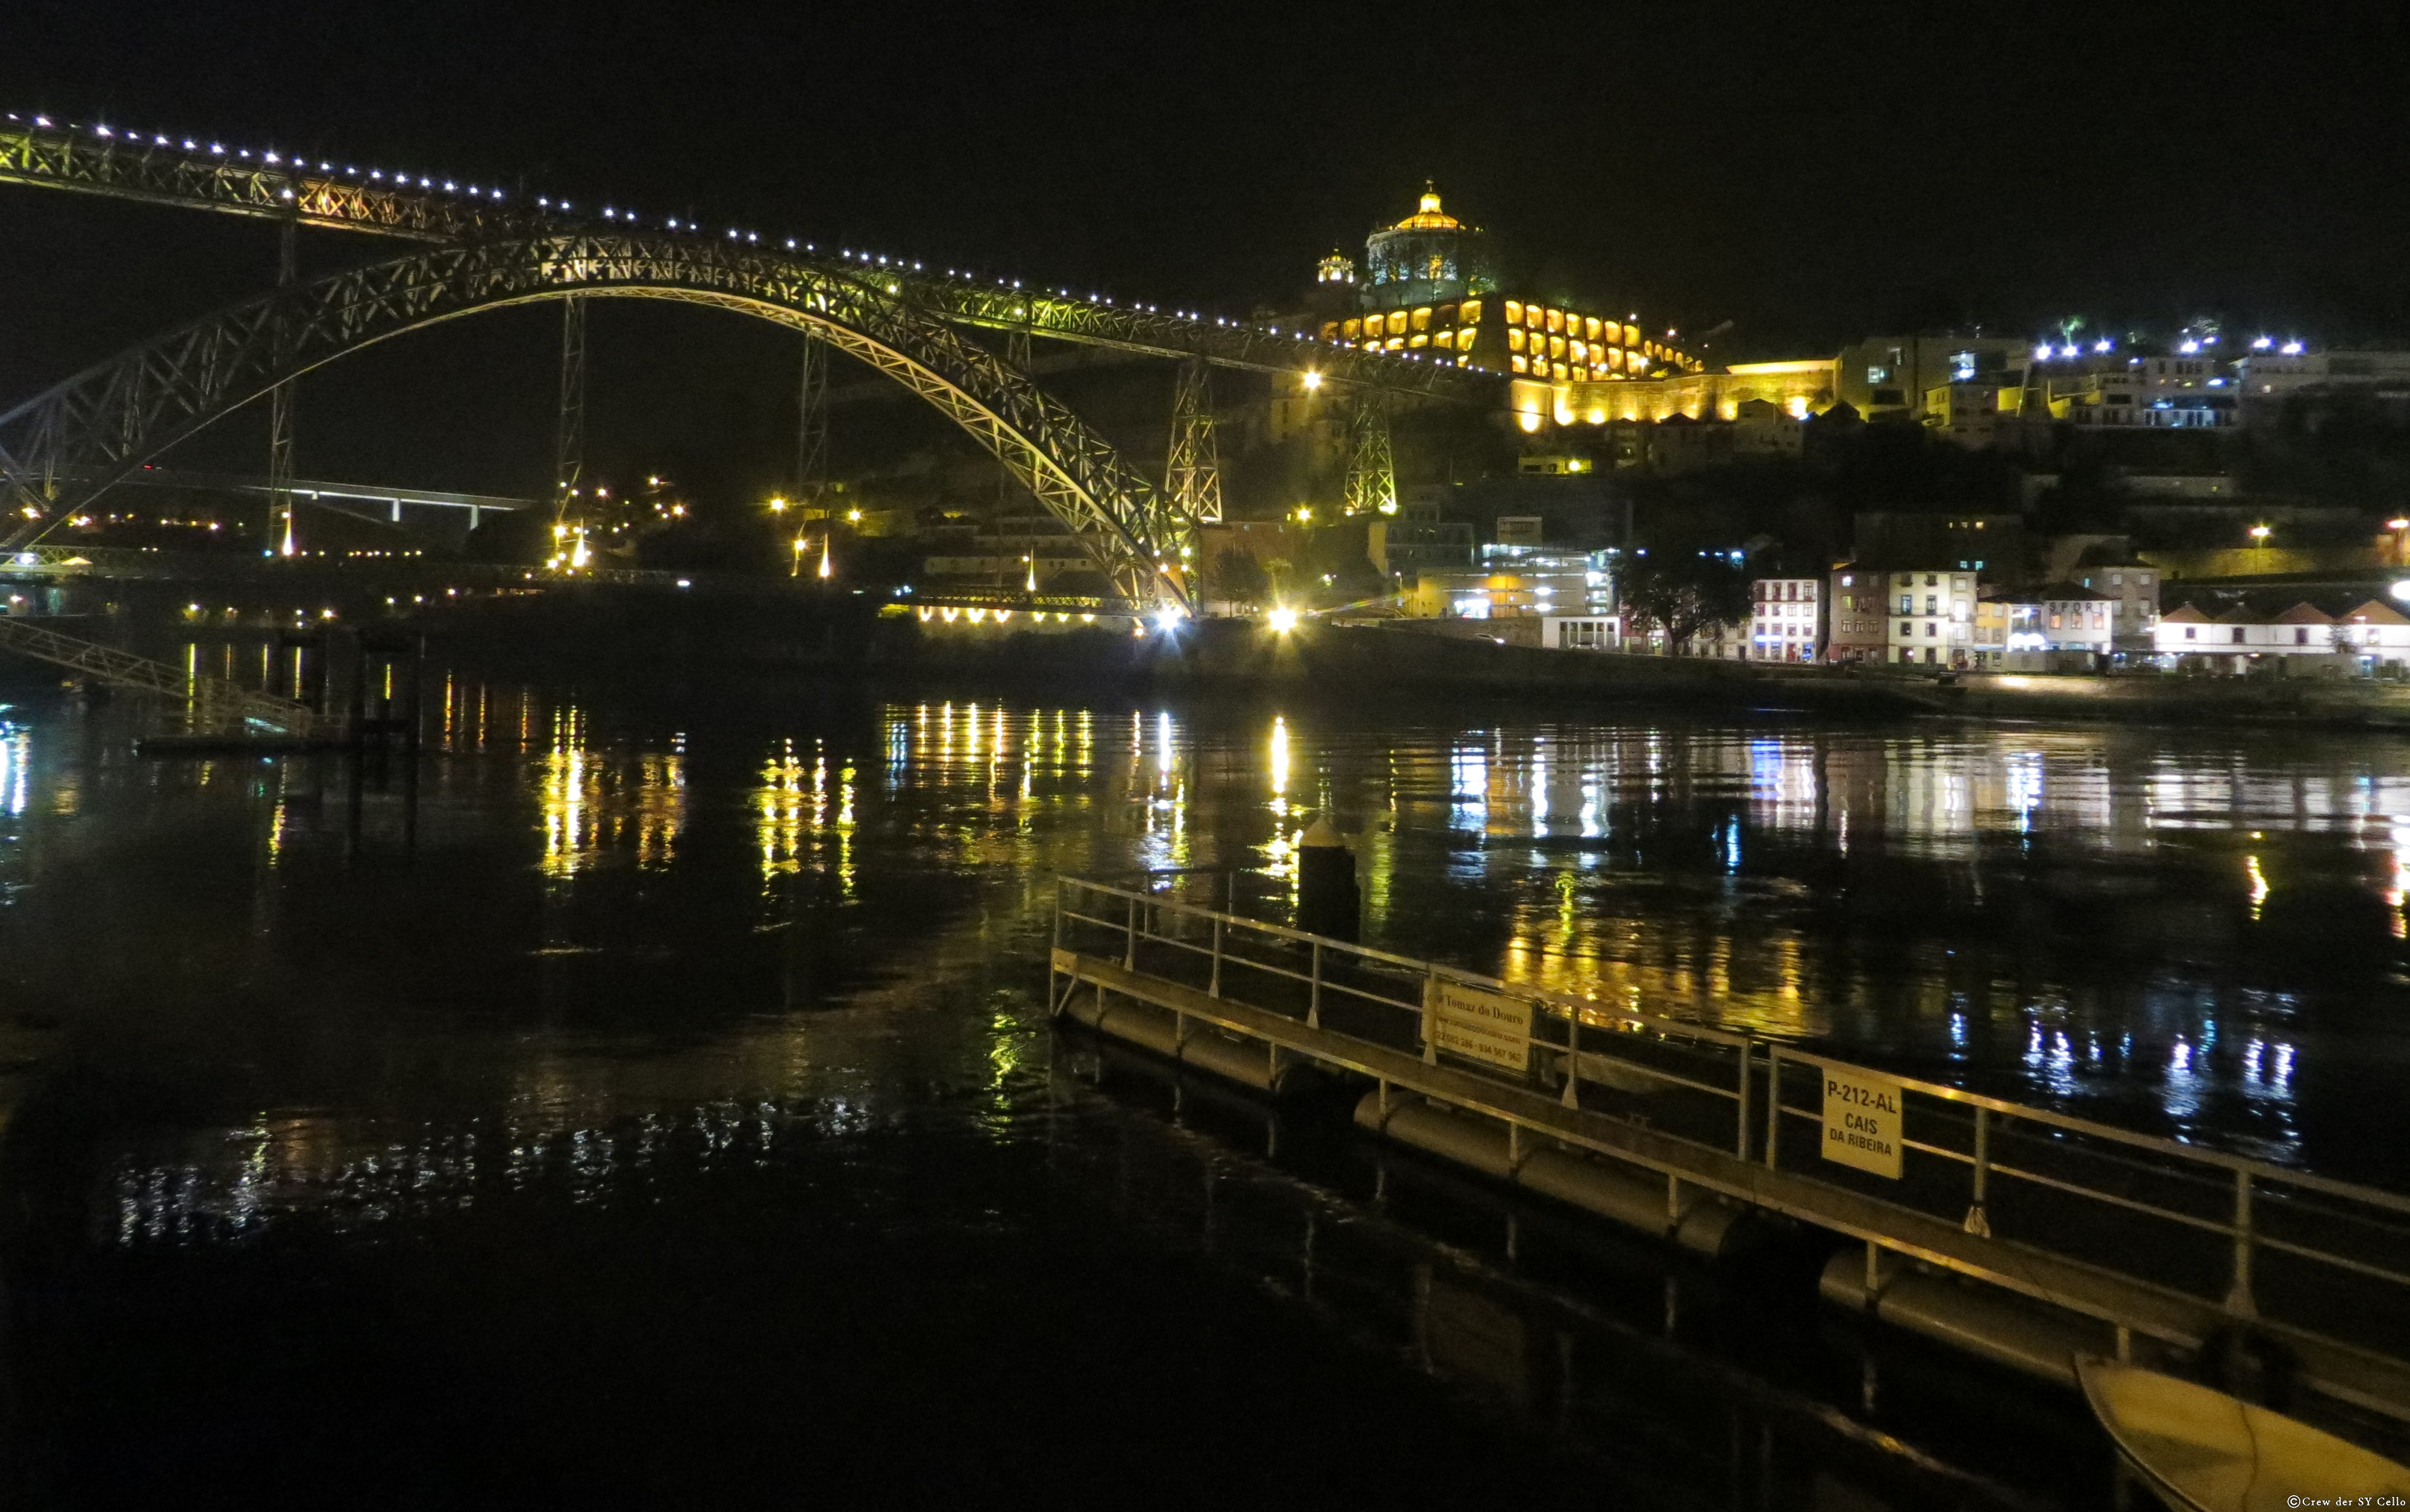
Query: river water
[{"x": 654, "y": 1101}]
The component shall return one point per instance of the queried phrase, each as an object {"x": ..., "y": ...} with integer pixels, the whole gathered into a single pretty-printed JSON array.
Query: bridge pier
[
  {"x": 569, "y": 432},
  {"x": 279, "y": 409},
  {"x": 811, "y": 423},
  {"x": 1371, "y": 469},
  {"x": 1192, "y": 466}
]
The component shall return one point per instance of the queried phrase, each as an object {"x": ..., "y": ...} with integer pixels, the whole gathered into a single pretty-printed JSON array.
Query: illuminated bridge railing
[
  {"x": 200, "y": 173},
  {"x": 1993, "y": 1187}
]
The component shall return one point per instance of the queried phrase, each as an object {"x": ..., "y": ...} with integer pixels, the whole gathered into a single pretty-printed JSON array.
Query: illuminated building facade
[
  {"x": 1429, "y": 287},
  {"x": 1429, "y": 257},
  {"x": 1854, "y": 627},
  {"x": 1787, "y": 620},
  {"x": 1932, "y": 623}
]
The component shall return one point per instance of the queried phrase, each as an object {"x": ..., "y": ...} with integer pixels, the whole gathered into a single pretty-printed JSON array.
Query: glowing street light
[
  {"x": 778, "y": 506},
  {"x": 1282, "y": 621},
  {"x": 2260, "y": 533},
  {"x": 1313, "y": 380}
]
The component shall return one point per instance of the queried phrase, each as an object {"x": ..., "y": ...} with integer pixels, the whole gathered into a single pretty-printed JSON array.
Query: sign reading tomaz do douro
[
  {"x": 1861, "y": 1121},
  {"x": 1479, "y": 1025}
]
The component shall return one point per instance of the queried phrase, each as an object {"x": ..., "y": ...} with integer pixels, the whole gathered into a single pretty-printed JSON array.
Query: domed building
[
  {"x": 1430, "y": 286},
  {"x": 1429, "y": 256}
]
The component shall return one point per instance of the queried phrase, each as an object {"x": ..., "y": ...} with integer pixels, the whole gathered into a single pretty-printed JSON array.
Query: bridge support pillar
[
  {"x": 569, "y": 434},
  {"x": 811, "y": 423},
  {"x": 279, "y": 412},
  {"x": 1372, "y": 471},
  {"x": 1192, "y": 468}
]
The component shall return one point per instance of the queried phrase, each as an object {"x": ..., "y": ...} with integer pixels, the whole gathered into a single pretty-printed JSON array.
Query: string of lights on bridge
[{"x": 616, "y": 216}]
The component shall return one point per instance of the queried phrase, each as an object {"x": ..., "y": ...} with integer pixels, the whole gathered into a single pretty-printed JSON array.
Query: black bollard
[{"x": 1328, "y": 901}]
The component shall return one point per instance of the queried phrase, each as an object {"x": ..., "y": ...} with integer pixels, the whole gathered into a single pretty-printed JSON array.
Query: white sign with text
[
  {"x": 1479, "y": 1025},
  {"x": 1861, "y": 1121}
]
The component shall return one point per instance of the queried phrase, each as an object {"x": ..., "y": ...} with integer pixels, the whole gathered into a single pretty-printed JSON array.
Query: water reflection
[
  {"x": 654, "y": 967},
  {"x": 2201, "y": 933}
]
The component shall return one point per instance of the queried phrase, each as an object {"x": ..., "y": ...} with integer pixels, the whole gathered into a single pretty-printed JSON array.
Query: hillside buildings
[{"x": 1430, "y": 286}]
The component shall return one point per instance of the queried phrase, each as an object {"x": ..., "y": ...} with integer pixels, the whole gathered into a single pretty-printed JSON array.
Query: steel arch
[
  {"x": 100, "y": 425},
  {"x": 124, "y": 166}
]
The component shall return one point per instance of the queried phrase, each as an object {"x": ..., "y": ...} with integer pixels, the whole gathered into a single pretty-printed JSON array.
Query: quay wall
[{"x": 846, "y": 638}]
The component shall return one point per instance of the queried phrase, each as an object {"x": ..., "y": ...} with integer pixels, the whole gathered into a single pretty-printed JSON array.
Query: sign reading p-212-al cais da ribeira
[{"x": 1861, "y": 1121}]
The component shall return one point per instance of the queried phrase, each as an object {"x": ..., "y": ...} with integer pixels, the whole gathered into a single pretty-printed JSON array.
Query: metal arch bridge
[
  {"x": 477, "y": 253},
  {"x": 106, "y": 421}
]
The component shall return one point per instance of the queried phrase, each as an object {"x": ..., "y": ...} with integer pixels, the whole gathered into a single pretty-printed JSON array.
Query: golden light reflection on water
[
  {"x": 1683, "y": 870},
  {"x": 593, "y": 804}
]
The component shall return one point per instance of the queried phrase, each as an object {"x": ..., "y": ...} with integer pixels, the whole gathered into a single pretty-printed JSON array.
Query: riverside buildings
[
  {"x": 1787, "y": 620},
  {"x": 2332, "y": 635}
]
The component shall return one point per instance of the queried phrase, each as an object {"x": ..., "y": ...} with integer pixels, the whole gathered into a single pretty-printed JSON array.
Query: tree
[
  {"x": 1682, "y": 593},
  {"x": 1238, "y": 577}
]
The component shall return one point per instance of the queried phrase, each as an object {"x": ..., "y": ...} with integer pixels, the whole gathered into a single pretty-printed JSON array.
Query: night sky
[{"x": 1810, "y": 174}]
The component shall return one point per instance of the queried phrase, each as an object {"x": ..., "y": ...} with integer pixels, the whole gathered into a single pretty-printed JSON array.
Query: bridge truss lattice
[
  {"x": 66, "y": 446},
  {"x": 489, "y": 248}
]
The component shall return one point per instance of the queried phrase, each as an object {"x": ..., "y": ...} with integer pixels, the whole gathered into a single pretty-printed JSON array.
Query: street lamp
[{"x": 1313, "y": 380}]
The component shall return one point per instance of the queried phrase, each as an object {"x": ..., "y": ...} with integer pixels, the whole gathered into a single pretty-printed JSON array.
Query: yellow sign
[
  {"x": 1065, "y": 962},
  {"x": 1479, "y": 1025},
  {"x": 1861, "y": 1121}
]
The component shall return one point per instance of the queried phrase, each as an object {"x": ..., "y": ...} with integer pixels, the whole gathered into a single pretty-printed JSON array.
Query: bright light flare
[{"x": 1282, "y": 621}]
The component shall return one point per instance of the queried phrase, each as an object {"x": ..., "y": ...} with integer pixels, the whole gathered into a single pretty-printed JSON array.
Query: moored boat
[{"x": 2201, "y": 1450}]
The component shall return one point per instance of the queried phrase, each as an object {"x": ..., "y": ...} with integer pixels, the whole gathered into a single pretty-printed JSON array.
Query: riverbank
[
  {"x": 846, "y": 637},
  {"x": 1230, "y": 656}
]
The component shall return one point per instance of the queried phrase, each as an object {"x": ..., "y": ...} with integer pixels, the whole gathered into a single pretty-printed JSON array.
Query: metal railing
[
  {"x": 2260, "y": 1242},
  {"x": 211, "y": 704}
]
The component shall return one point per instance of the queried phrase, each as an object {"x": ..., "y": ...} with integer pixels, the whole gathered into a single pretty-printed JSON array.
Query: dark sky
[{"x": 1810, "y": 173}]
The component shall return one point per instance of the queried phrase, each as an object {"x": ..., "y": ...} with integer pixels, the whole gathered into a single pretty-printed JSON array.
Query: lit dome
[{"x": 1428, "y": 217}]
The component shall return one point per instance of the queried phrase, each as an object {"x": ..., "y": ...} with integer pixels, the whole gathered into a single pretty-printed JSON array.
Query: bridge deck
[{"x": 2169, "y": 1241}]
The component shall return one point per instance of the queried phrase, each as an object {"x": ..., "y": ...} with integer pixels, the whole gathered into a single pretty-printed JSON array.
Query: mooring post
[{"x": 1328, "y": 902}]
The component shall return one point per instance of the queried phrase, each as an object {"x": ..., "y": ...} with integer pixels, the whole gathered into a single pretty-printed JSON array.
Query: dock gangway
[
  {"x": 211, "y": 706},
  {"x": 2142, "y": 1243}
]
